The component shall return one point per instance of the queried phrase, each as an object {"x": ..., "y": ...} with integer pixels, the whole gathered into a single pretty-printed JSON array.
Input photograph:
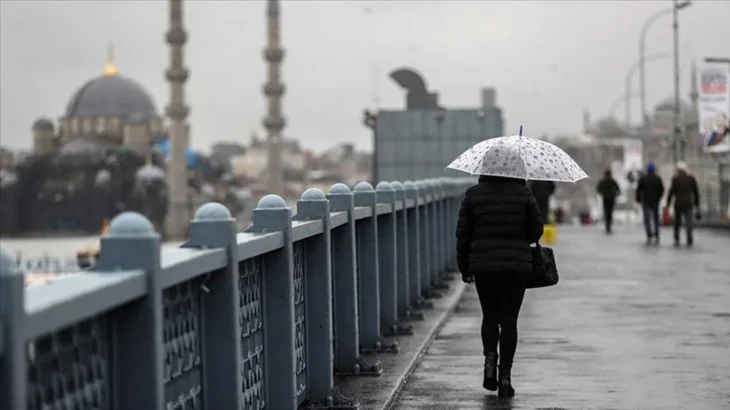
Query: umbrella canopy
[
  {"x": 192, "y": 158},
  {"x": 520, "y": 157}
]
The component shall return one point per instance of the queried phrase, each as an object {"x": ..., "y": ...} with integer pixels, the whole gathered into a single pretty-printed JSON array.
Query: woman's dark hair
[{"x": 488, "y": 178}]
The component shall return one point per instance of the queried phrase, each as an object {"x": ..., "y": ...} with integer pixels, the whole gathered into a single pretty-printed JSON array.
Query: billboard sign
[{"x": 713, "y": 105}]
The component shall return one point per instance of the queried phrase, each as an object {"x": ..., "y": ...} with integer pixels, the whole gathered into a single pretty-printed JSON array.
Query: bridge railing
[{"x": 260, "y": 319}]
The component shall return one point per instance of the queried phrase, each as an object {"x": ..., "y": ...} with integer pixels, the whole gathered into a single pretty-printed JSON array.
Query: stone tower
[
  {"x": 274, "y": 90},
  {"x": 177, "y": 112}
]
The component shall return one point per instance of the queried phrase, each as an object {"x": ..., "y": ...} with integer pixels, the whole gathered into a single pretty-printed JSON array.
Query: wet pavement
[{"x": 629, "y": 326}]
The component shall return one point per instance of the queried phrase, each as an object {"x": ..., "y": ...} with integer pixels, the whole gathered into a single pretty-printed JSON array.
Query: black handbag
[{"x": 544, "y": 268}]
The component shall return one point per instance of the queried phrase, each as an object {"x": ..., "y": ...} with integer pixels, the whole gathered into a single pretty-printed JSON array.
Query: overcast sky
[{"x": 547, "y": 59}]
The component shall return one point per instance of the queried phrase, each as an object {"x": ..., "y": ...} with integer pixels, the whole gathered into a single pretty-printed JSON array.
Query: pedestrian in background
[
  {"x": 609, "y": 190},
  {"x": 649, "y": 192},
  {"x": 543, "y": 190},
  {"x": 498, "y": 220},
  {"x": 686, "y": 196}
]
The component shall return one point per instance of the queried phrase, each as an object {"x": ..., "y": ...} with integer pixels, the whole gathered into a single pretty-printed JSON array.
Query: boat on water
[{"x": 87, "y": 257}]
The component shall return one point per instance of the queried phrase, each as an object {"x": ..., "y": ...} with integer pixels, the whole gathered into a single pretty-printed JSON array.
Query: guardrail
[{"x": 252, "y": 320}]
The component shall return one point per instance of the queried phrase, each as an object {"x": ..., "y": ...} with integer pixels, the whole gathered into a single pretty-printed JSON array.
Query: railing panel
[
  {"x": 253, "y": 353},
  {"x": 182, "y": 333},
  {"x": 253, "y": 320},
  {"x": 70, "y": 368},
  {"x": 300, "y": 316}
]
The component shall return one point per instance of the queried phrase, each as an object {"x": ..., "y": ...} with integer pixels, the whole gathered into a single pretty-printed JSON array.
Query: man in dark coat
[
  {"x": 543, "y": 190},
  {"x": 649, "y": 192},
  {"x": 686, "y": 195},
  {"x": 609, "y": 190},
  {"x": 498, "y": 220}
]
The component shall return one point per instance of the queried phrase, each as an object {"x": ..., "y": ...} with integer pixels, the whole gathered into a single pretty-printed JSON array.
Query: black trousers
[
  {"x": 608, "y": 205},
  {"x": 683, "y": 213},
  {"x": 501, "y": 299}
]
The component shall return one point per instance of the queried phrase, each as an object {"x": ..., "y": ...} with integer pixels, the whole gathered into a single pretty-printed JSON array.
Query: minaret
[
  {"x": 274, "y": 90},
  {"x": 177, "y": 112},
  {"x": 586, "y": 120}
]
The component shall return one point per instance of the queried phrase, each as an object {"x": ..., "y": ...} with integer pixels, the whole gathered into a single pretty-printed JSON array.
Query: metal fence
[{"x": 253, "y": 320}]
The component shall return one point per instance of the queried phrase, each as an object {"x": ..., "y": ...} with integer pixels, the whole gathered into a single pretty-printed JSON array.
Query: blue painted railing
[{"x": 252, "y": 320}]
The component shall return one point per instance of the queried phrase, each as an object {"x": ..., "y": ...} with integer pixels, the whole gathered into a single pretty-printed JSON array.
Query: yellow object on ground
[
  {"x": 89, "y": 256},
  {"x": 550, "y": 234}
]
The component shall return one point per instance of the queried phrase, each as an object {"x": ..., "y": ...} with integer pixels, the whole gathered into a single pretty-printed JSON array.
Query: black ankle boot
[
  {"x": 505, "y": 384},
  {"x": 490, "y": 372}
]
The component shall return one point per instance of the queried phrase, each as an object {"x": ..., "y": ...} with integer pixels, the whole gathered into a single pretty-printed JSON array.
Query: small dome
[
  {"x": 43, "y": 124},
  {"x": 111, "y": 96},
  {"x": 103, "y": 177},
  {"x": 150, "y": 172},
  {"x": 667, "y": 104}
]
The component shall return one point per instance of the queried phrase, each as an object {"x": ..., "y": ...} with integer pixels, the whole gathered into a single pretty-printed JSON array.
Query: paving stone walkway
[{"x": 628, "y": 327}]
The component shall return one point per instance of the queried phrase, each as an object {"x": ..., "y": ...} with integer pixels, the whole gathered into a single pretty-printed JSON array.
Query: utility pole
[
  {"x": 678, "y": 152},
  {"x": 642, "y": 49}
]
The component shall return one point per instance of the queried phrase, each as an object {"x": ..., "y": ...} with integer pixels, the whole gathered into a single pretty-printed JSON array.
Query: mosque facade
[{"x": 96, "y": 160}]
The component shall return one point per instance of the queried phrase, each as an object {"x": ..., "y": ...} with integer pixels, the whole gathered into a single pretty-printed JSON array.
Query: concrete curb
[{"x": 445, "y": 315}]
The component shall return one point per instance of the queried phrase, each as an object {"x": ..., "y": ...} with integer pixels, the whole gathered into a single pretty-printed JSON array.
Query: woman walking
[{"x": 498, "y": 220}]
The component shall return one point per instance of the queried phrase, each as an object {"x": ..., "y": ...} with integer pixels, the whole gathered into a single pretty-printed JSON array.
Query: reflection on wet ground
[{"x": 628, "y": 327}]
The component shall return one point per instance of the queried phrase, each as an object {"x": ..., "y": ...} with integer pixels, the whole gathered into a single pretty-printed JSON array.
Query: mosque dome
[
  {"x": 149, "y": 173},
  {"x": 667, "y": 104},
  {"x": 111, "y": 95}
]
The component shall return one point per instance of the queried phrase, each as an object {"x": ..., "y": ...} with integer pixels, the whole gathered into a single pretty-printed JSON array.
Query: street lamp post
[
  {"x": 622, "y": 99},
  {"x": 629, "y": 76},
  {"x": 642, "y": 72},
  {"x": 677, "y": 6}
]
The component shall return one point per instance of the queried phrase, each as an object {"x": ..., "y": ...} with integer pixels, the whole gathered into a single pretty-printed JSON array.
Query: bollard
[
  {"x": 368, "y": 274},
  {"x": 431, "y": 241},
  {"x": 273, "y": 215},
  {"x": 313, "y": 205},
  {"x": 131, "y": 243},
  {"x": 213, "y": 227},
  {"x": 388, "y": 254},
  {"x": 402, "y": 249},
  {"x": 344, "y": 254},
  {"x": 446, "y": 232},
  {"x": 440, "y": 237},
  {"x": 424, "y": 243},
  {"x": 414, "y": 251},
  {"x": 14, "y": 369}
]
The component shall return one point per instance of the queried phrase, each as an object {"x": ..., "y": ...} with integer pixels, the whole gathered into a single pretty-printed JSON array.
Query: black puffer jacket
[{"x": 498, "y": 220}]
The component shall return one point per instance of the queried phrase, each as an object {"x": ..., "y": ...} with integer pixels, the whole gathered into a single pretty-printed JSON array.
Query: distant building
[
  {"x": 421, "y": 140},
  {"x": 96, "y": 161}
]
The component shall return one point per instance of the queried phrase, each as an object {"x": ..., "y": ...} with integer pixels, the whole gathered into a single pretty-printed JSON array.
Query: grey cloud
[{"x": 547, "y": 59}]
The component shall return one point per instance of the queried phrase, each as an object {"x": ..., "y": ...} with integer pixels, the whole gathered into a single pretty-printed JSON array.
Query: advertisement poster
[{"x": 713, "y": 104}]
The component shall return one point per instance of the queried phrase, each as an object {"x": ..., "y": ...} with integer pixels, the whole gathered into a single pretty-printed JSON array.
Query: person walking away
[
  {"x": 609, "y": 190},
  {"x": 649, "y": 192},
  {"x": 543, "y": 190},
  {"x": 686, "y": 195},
  {"x": 498, "y": 220}
]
